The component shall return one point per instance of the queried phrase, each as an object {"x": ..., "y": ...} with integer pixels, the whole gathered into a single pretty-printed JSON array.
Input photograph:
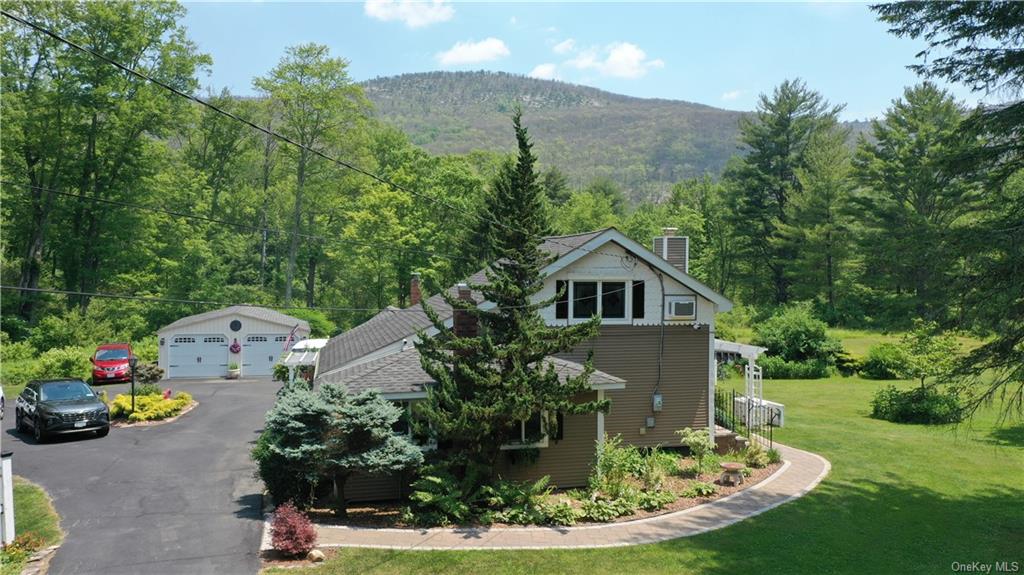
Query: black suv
[{"x": 58, "y": 406}]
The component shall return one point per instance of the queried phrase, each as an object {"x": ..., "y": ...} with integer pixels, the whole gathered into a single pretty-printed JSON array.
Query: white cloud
[
  {"x": 473, "y": 52},
  {"x": 732, "y": 95},
  {"x": 513, "y": 20},
  {"x": 565, "y": 46},
  {"x": 551, "y": 29},
  {"x": 618, "y": 60},
  {"x": 414, "y": 14},
  {"x": 544, "y": 72}
]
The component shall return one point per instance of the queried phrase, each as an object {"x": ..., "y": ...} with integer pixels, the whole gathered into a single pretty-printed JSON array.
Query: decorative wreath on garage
[{"x": 235, "y": 346}]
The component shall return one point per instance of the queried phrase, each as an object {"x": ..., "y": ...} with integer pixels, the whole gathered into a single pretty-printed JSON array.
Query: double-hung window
[
  {"x": 528, "y": 433},
  {"x": 614, "y": 300}
]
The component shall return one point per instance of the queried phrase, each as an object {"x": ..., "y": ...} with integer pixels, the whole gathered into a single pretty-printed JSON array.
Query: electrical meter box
[{"x": 657, "y": 402}]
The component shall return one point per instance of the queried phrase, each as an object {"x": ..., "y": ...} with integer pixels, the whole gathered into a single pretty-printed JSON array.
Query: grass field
[
  {"x": 900, "y": 499},
  {"x": 34, "y": 513}
]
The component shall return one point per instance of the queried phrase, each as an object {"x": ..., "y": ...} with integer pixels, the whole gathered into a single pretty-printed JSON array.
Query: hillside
[{"x": 645, "y": 144}]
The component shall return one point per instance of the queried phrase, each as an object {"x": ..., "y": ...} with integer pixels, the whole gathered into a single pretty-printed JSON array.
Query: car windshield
[
  {"x": 65, "y": 391},
  {"x": 111, "y": 354}
]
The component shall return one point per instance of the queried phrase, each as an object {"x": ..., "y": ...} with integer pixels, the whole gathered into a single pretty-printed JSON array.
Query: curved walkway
[{"x": 800, "y": 473}]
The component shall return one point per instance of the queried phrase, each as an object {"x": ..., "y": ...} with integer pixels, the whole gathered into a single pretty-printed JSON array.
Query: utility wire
[{"x": 264, "y": 130}]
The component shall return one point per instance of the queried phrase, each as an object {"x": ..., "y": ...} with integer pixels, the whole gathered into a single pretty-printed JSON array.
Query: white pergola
[
  {"x": 752, "y": 372},
  {"x": 304, "y": 352}
]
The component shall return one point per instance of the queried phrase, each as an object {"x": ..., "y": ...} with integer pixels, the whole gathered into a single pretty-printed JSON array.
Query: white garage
[{"x": 206, "y": 344}]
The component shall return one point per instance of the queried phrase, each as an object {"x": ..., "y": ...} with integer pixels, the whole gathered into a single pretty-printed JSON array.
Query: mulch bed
[
  {"x": 389, "y": 513},
  {"x": 123, "y": 423}
]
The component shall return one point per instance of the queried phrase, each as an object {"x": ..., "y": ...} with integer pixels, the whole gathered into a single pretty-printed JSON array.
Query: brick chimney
[
  {"x": 673, "y": 249},
  {"x": 414, "y": 289},
  {"x": 463, "y": 323}
]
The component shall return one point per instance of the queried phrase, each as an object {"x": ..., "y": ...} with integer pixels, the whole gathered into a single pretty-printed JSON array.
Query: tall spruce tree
[{"x": 487, "y": 384}]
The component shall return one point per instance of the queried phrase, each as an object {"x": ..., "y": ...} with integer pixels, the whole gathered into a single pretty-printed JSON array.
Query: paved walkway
[{"x": 800, "y": 473}]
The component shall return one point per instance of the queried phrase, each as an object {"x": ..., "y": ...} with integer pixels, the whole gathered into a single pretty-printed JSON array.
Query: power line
[
  {"x": 194, "y": 216},
  {"x": 182, "y": 301},
  {"x": 265, "y": 130}
]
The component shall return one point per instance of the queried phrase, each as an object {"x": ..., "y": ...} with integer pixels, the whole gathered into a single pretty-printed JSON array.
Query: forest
[{"x": 126, "y": 205}]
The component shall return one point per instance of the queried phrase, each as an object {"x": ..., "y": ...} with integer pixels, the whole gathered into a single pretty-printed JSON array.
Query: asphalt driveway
[{"x": 174, "y": 498}]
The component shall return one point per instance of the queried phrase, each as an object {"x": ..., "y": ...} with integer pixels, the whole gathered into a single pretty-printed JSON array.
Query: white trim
[
  {"x": 544, "y": 441},
  {"x": 612, "y": 234},
  {"x": 404, "y": 395},
  {"x": 751, "y": 352}
]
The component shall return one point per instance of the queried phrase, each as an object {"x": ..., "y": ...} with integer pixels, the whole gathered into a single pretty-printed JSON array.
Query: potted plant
[{"x": 234, "y": 371}]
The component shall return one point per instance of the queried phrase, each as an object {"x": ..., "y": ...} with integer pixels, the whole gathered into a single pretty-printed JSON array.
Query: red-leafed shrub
[{"x": 291, "y": 532}]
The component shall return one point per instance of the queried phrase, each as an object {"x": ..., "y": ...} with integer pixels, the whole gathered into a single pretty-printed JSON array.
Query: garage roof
[{"x": 250, "y": 311}]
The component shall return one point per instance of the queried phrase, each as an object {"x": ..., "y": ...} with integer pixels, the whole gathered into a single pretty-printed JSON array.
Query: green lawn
[
  {"x": 900, "y": 499},
  {"x": 33, "y": 513}
]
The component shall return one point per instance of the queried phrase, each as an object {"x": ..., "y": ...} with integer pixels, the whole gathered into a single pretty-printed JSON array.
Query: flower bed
[
  {"x": 682, "y": 487},
  {"x": 151, "y": 407}
]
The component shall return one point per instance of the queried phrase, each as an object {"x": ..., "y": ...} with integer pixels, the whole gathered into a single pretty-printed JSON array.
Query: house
[
  {"x": 655, "y": 353},
  {"x": 205, "y": 344}
]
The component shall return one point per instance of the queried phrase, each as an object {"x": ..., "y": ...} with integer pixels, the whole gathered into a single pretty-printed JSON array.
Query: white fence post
[{"x": 7, "y": 511}]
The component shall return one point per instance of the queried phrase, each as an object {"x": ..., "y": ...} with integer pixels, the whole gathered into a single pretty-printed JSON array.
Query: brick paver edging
[{"x": 800, "y": 473}]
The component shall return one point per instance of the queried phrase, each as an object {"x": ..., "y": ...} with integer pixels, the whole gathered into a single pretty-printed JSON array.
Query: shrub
[
  {"x": 560, "y": 513},
  {"x": 282, "y": 373},
  {"x": 447, "y": 492},
  {"x": 918, "y": 405},
  {"x": 795, "y": 335},
  {"x": 884, "y": 361},
  {"x": 699, "y": 443},
  {"x": 148, "y": 407},
  {"x": 17, "y": 372},
  {"x": 656, "y": 464},
  {"x": 517, "y": 503},
  {"x": 16, "y": 350},
  {"x": 291, "y": 532},
  {"x": 755, "y": 456},
  {"x": 64, "y": 362},
  {"x": 774, "y": 456},
  {"x": 147, "y": 350},
  {"x": 778, "y": 368},
  {"x": 700, "y": 489},
  {"x": 148, "y": 389},
  {"x": 614, "y": 465},
  {"x": 148, "y": 373}
]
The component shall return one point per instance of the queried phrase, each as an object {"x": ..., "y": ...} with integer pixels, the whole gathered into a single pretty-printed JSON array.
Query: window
[
  {"x": 256, "y": 338},
  {"x": 411, "y": 425},
  {"x": 562, "y": 303},
  {"x": 638, "y": 300},
  {"x": 183, "y": 339},
  {"x": 281, "y": 338},
  {"x": 613, "y": 300},
  {"x": 214, "y": 340},
  {"x": 531, "y": 433},
  {"x": 584, "y": 300}
]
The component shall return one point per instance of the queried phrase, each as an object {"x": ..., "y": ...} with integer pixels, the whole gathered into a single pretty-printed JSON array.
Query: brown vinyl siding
[
  {"x": 567, "y": 461},
  {"x": 364, "y": 487},
  {"x": 631, "y": 352}
]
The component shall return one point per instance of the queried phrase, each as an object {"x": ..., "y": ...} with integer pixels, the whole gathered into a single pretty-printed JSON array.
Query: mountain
[{"x": 644, "y": 144}]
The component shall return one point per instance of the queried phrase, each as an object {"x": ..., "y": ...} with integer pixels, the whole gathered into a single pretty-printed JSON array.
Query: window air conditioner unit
[{"x": 681, "y": 307}]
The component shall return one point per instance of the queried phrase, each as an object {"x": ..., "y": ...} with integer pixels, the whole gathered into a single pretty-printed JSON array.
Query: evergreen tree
[
  {"x": 819, "y": 229},
  {"x": 361, "y": 439},
  {"x": 765, "y": 181},
  {"x": 556, "y": 186},
  {"x": 910, "y": 198},
  {"x": 488, "y": 384}
]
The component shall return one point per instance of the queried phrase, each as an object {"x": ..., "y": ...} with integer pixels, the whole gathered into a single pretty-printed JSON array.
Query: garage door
[
  {"x": 260, "y": 352},
  {"x": 198, "y": 355}
]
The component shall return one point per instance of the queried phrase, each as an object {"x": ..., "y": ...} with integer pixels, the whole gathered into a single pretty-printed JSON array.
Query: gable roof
[
  {"x": 402, "y": 373},
  {"x": 393, "y": 324},
  {"x": 251, "y": 311}
]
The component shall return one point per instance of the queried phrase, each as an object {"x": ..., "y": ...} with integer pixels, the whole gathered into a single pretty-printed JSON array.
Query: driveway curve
[{"x": 174, "y": 498}]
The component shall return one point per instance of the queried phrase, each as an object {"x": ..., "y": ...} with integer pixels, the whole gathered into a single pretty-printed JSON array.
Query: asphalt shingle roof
[
  {"x": 392, "y": 325},
  {"x": 252, "y": 311},
  {"x": 402, "y": 372}
]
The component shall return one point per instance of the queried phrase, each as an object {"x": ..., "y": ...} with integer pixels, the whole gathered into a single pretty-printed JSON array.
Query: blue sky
[{"x": 721, "y": 54}]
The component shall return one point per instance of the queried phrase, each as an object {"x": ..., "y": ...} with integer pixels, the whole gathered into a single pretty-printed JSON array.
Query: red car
[{"x": 110, "y": 363}]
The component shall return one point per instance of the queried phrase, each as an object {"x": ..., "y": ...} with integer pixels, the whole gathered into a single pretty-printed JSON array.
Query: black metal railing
[{"x": 752, "y": 425}]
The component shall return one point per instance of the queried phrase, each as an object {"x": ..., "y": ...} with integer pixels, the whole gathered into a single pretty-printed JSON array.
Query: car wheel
[
  {"x": 37, "y": 431},
  {"x": 19, "y": 422},
  {"x": 103, "y": 432}
]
